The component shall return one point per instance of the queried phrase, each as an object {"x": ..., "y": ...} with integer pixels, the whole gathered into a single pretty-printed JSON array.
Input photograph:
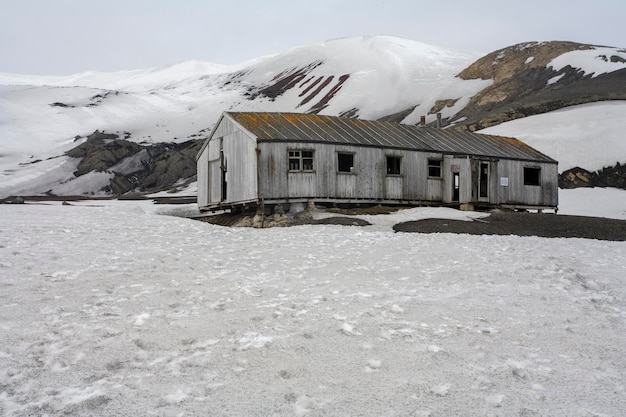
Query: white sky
[{"x": 63, "y": 37}]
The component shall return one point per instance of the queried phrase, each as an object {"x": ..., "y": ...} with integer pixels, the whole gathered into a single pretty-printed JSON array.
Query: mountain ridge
[
  {"x": 366, "y": 77},
  {"x": 530, "y": 82}
]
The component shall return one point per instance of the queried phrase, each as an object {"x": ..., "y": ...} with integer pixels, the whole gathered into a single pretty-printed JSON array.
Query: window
[
  {"x": 393, "y": 165},
  {"x": 434, "y": 168},
  {"x": 345, "y": 162},
  {"x": 300, "y": 161},
  {"x": 532, "y": 176}
]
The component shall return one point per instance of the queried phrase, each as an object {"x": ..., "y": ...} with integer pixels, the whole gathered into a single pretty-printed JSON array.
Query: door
[
  {"x": 456, "y": 186},
  {"x": 483, "y": 181},
  {"x": 217, "y": 176},
  {"x": 223, "y": 179},
  {"x": 223, "y": 171}
]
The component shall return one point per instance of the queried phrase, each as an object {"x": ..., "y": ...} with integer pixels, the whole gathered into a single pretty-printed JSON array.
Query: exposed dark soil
[
  {"x": 242, "y": 220},
  {"x": 524, "y": 224},
  {"x": 497, "y": 223}
]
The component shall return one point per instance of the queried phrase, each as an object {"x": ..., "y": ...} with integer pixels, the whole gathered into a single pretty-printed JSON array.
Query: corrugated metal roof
[{"x": 330, "y": 129}]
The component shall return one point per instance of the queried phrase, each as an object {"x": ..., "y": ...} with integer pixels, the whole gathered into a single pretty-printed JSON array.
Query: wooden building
[{"x": 277, "y": 158}]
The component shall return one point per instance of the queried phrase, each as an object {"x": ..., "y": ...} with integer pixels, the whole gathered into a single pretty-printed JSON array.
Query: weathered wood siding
[
  {"x": 241, "y": 174},
  {"x": 365, "y": 182},
  {"x": 492, "y": 183},
  {"x": 203, "y": 178},
  {"x": 234, "y": 149},
  {"x": 512, "y": 172},
  {"x": 393, "y": 187},
  {"x": 346, "y": 185},
  {"x": 368, "y": 180},
  {"x": 462, "y": 166},
  {"x": 215, "y": 181}
]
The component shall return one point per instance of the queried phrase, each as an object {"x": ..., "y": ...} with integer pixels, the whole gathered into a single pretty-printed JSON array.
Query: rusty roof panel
[{"x": 341, "y": 130}]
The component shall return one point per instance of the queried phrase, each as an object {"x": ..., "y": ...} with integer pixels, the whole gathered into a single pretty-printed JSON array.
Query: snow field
[
  {"x": 585, "y": 136},
  {"x": 115, "y": 310}
]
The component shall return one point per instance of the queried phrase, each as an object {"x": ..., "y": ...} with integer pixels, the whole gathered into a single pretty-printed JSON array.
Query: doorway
[
  {"x": 223, "y": 170},
  {"x": 483, "y": 181},
  {"x": 456, "y": 186}
]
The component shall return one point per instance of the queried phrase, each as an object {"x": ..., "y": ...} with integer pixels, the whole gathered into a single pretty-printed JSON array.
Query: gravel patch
[{"x": 525, "y": 224}]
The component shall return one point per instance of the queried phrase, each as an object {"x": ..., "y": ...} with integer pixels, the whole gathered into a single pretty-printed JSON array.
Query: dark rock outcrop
[
  {"x": 171, "y": 163},
  {"x": 137, "y": 168},
  {"x": 575, "y": 177},
  {"x": 614, "y": 176},
  {"x": 521, "y": 84},
  {"x": 102, "y": 151},
  {"x": 310, "y": 87}
]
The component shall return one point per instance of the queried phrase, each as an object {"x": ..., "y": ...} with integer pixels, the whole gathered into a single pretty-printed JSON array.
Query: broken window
[
  {"x": 300, "y": 161},
  {"x": 532, "y": 176},
  {"x": 393, "y": 165},
  {"x": 345, "y": 162},
  {"x": 434, "y": 168}
]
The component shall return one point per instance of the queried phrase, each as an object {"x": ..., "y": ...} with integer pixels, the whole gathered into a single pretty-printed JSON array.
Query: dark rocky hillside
[
  {"x": 614, "y": 176},
  {"x": 521, "y": 87},
  {"x": 137, "y": 168}
]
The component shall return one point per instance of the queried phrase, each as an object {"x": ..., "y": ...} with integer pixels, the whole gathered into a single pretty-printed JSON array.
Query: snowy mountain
[
  {"x": 43, "y": 118},
  {"x": 128, "y": 308}
]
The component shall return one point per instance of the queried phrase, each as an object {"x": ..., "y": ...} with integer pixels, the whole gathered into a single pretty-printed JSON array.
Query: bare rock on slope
[
  {"x": 614, "y": 176},
  {"x": 101, "y": 151},
  {"x": 137, "y": 168},
  {"x": 521, "y": 84},
  {"x": 174, "y": 163}
]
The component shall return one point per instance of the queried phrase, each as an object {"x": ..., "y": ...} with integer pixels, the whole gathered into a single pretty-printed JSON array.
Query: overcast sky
[{"x": 62, "y": 37}]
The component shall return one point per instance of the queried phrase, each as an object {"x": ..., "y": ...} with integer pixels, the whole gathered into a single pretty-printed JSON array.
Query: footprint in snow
[
  {"x": 495, "y": 400},
  {"x": 348, "y": 330},
  {"x": 304, "y": 405},
  {"x": 141, "y": 319},
  {"x": 373, "y": 365},
  {"x": 440, "y": 390}
]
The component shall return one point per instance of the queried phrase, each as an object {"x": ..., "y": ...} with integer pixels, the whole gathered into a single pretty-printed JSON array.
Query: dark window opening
[
  {"x": 532, "y": 176},
  {"x": 300, "y": 161},
  {"x": 294, "y": 160},
  {"x": 223, "y": 172},
  {"x": 434, "y": 168},
  {"x": 393, "y": 165},
  {"x": 345, "y": 162}
]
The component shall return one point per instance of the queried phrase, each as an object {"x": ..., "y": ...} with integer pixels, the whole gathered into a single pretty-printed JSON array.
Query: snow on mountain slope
[
  {"x": 596, "y": 61},
  {"x": 42, "y": 117},
  {"x": 39, "y": 124},
  {"x": 383, "y": 75},
  {"x": 136, "y": 80},
  {"x": 589, "y": 135}
]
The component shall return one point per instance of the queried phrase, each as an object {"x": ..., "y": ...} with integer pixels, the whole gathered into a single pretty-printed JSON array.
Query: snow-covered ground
[
  {"x": 595, "y": 202},
  {"x": 109, "y": 308}
]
